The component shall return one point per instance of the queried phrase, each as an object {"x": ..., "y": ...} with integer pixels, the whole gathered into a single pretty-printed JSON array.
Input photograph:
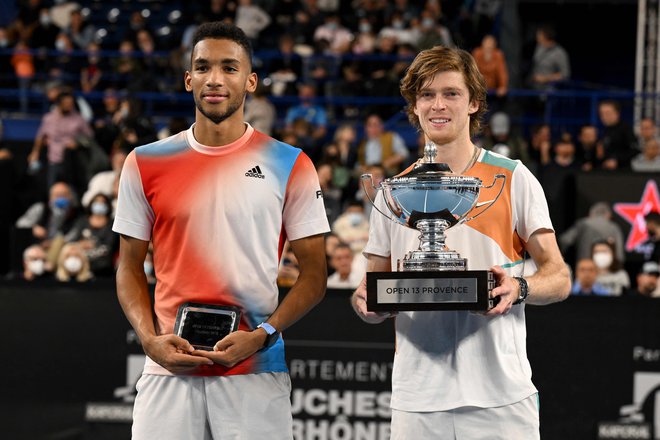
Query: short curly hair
[
  {"x": 223, "y": 31},
  {"x": 438, "y": 59}
]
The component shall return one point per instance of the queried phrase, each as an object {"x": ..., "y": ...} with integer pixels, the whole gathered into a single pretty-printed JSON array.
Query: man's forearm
[{"x": 135, "y": 301}]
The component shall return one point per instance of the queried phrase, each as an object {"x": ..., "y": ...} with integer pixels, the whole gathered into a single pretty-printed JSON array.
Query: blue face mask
[{"x": 61, "y": 203}]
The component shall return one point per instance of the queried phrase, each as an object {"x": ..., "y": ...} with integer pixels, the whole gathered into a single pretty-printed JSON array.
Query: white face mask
[
  {"x": 148, "y": 268},
  {"x": 73, "y": 264},
  {"x": 99, "y": 208},
  {"x": 36, "y": 267},
  {"x": 603, "y": 259},
  {"x": 60, "y": 44},
  {"x": 355, "y": 218}
]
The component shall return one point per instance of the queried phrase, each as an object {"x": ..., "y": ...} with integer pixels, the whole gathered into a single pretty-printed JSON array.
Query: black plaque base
[
  {"x": 203, "y": 325},
  {"x": 437, "y": 290}
]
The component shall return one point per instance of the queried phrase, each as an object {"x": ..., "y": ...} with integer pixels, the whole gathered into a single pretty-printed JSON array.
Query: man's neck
[
  {"x": 456, "y": 155},
  {"x": 217, "y": 135}
]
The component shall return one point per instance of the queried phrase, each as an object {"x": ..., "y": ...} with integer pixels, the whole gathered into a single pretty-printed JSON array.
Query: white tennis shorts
[{"x": 240, "y": 407}]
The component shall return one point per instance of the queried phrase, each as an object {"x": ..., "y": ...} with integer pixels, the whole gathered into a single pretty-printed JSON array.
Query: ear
[
  {"x": 473, "y": 107},
  {"x": 252, "y": 82},
  {"x": 186, "y": 81}
]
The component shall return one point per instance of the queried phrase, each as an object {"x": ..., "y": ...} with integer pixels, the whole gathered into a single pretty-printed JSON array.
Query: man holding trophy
[
  {"x": 460, "y": 368},
  {"x": 218, "y": 201}
]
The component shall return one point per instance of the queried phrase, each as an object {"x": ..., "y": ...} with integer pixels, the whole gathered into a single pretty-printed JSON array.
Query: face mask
[
  {"x": 397, "y": 24},
  {"x": 99, "y": 208},
  {"x": 428, "y": 22},
  {"x": 60, "y": 45},
  {"x": 36, "y": 267},
  {"x": 4, "y": 42},
  {"x": 44, "y": 19},
  {"x": 365, "y": 27},
  {"x": 355, "y": 218},
  {"x": 61, "y": 203},
  {"x": 73, "y": 264},
  {"x": 603, "y": 259},
  {"x": 148, "y": 268},
  {"x": 331, "y": 26}
]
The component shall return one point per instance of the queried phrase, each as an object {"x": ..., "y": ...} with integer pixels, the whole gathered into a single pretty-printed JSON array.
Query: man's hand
[
  {"x": 507, "y": 290},
  {"x": 235, "y": 347},
  {"x": 359, "y": 303},
  {"x": 173, "y": 353}
]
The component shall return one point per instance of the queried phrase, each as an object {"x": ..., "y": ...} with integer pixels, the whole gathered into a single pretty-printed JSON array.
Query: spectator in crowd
[
  {"x": 647, "y": 280},
  {"x": 252, "y": 19},
  {"x": 365, "y": 39},
  {"x": 433, "y": 33},
  {"x": 126, "y": 67},
  {"x": 259, "y": 111},
  {"x": 550, "y": 63},
  {"x": 35, "y": 263},
  {"x": 399, "y": 29},
  {"x": 540, "y": 143},
  {"x": 501, "y": 140},
  {"x": 588, "y": 149},
  {"x": 377, "y": 176},
  {"x": 331, "y": 242},
  {"x": 73, "y": 265},
  {"x": 53, "y": 89},
  {"x": 58, "y": 131},
  {"x": 647, "y": 131},
  {"x": 309, "y": 111},
  {"x": 492, "y": 65},
  {"x": 43, "y": 33},
  {"x": 335, "y": 34},
  {"x": 24, "y": 69},
  {"x": 92, "y": 73},
  {"x": 79, "y": 31},
  {"x": 55, "y": 218},
  {"x": 352, "y": 226},
  {"x": 149, "y": 265},
  {"x": 286, "y": 68},
  {"x": 648, "y": 160},
  {"x": 381, "y": 147},
  {"x": 597, "y": 226},
  {"x": 651, "y": 247},
  {"x": 64, "y": 65},
  {"x": 618, "y": 139},
  {"x": 331, "y": 194},
  {"x": 289, "y": 270},
  {"x": 93, "y": 233},
  {"x": 585, "y": 283},
  {"x": 557, "y": 176},
  {"x": 611, "y": 274},
  {"x": 343, "y": 276}
]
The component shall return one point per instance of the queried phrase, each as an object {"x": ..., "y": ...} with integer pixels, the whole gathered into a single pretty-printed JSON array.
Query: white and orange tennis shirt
[
  {"x": 218, "y": 218},
  {"x": 451, "y": 359}
]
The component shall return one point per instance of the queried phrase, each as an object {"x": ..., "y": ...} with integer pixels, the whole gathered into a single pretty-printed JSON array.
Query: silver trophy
[{"x": 431, "y": 198}]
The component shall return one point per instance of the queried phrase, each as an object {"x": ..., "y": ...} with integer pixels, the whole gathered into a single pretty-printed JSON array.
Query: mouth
[
  {"x": 214, "y": 98},
  {"x": 439, "y": 121}
]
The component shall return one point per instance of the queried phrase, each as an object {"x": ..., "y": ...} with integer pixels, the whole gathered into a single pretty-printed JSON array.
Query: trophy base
[
  {"x": 421, "y": 261},
  {"x": 430, "y": 290}
]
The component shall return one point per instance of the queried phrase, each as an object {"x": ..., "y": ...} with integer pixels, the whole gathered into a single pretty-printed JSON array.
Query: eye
[{"x": 231, "y": 69}]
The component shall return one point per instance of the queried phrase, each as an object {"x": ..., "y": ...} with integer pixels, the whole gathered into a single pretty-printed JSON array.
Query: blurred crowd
[{"x": 304, "y": 49}]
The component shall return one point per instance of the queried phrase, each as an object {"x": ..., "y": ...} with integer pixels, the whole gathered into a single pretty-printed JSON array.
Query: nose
[
  {"x": 438, "y": 103},
  {"x": 215, "y": 77}
]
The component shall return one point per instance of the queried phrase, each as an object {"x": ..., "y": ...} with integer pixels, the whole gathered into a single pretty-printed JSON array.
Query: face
[
  {"x": 652, "y": 149},
  {"x": 647, "y": 128},
  {"x": 219, "y": 79},
  {"x": 443, "y": 107},
  {"x": 342, "y": 259},
  {"x": 588, "y": 135},
  {"x": 647, "y": 283},
  {"x": 608, "y": 114},
  {"x": 586, "y": 272},
  {"x": 60, "y": 190},
  {"x": 373, "y": 127},
  {"x": 67, "y": 104}
]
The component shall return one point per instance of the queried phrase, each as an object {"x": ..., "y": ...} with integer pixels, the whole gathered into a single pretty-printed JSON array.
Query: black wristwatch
[
  {"x": 271, "y": 334},
  {"x": 524, "y": 290}
]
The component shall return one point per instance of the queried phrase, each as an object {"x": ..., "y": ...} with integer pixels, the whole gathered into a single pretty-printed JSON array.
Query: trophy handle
[
  {"x": 369, "y": 177},
  {"x": 488, "y": 202}
]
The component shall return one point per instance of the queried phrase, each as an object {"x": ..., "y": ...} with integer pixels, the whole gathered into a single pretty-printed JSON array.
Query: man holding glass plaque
[
  {"x": 460, "y": 374},
  {"x": 218, "y": 201}
]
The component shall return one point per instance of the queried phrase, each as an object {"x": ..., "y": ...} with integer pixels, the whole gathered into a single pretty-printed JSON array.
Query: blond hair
[
  {"x": 68, "y": 250},
  {"x": 439, "y": 59}
]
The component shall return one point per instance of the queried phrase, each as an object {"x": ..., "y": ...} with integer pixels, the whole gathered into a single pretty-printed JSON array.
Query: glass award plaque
[{"x": 203, "y": 325}]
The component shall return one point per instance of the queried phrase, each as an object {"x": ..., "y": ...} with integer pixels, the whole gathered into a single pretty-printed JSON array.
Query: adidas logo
[{"x": 255, "y": 172}]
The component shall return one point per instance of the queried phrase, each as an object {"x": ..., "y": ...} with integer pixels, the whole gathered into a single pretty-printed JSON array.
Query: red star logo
[{"x": 634, "y": 214}]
